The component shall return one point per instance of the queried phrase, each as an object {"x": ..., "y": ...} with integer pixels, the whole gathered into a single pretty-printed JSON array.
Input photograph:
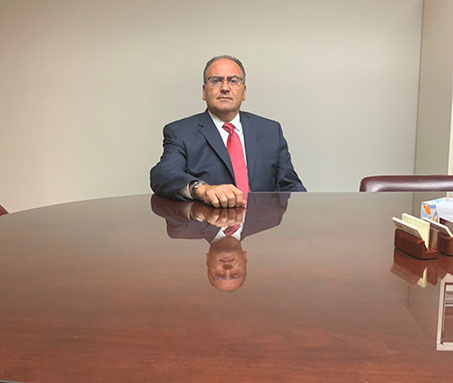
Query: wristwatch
[{"x": 194, "y": 187}]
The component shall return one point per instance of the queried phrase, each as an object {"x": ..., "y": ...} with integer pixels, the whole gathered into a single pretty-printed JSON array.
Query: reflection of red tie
[
  {"x": 230, "y": 230},
  {"x": 236, "y": 153}
]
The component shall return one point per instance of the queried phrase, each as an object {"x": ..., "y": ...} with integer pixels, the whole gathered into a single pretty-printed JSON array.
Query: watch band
[{"x": 194, "y": 188}]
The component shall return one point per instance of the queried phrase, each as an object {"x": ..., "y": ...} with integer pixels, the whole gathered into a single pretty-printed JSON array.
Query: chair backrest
[
  {"x": 3, "y": 210},
  {"x": 406, "y": 183}
]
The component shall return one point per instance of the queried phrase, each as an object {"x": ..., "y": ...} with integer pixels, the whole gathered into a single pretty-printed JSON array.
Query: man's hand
[
  {"x": 221, "y": 195},
  {"x": 217, "y": 217}
]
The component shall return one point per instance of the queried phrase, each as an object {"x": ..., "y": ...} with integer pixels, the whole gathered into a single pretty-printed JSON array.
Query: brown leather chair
[
  {"x": 3, "y": 210},
  {"x": 441, "y": 183}
]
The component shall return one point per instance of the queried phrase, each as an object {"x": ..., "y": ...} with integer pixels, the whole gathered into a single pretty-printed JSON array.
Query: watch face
[
  {"x": 198, "y": 184},
  {"x": 195, "y": 186}
]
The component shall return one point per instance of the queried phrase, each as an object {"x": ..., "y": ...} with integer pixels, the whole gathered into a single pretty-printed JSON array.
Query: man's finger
[
  {"x": 231, "y": 199},
  {"x": 214, "y": 217},
  {"x": 212, "y": 198},
  {"x": 232, "y": 215},
  {"x": 239, "y": 199},
  {"x": 223, "y": 199},
  {"x": 223, "y": 217},
  {"x": 239, "y": 214}
]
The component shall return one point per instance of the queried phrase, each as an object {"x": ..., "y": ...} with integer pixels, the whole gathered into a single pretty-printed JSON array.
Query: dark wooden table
[{"x": 122, "y": 290}]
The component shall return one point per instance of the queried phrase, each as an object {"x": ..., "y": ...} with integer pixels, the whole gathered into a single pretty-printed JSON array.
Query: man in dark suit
[
  {"x": 224, "y": 229},
  {"x": 220, "y": 155}
]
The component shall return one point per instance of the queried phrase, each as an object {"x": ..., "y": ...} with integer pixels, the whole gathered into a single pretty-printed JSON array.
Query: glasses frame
[{"x": 223, "y": 78}]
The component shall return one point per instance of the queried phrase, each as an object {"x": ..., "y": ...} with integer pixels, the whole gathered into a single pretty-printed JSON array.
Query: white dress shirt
[{"x": 237, "y": 234}]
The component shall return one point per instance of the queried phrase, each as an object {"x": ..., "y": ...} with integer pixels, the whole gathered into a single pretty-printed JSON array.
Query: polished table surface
[{"x": 130, "y": 289}]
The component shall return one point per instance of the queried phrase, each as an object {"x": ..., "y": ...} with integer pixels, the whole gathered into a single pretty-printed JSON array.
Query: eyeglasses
[{"x": 233, "y": 81}]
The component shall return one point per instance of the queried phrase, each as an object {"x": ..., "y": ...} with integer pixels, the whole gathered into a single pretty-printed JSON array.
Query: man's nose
[{"x": 225, "y": 87}]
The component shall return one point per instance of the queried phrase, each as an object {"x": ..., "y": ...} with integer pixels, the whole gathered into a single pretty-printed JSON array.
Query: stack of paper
[{"x": 439, "y": 227}]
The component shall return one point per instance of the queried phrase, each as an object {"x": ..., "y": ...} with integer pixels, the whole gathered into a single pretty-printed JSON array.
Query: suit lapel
[
  {"x": 210, "y": 232},
  {"x": 250, "y": 132},
  {"x": 212, "y": 135}
]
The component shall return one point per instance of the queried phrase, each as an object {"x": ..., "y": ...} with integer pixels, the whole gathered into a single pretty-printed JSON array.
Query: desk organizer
[
  {"x": 445, "y": 244},
  {"x": 413, "y": 246},
  {"x": 412, "y": 269},
  {"x": 445, "y": 266}
]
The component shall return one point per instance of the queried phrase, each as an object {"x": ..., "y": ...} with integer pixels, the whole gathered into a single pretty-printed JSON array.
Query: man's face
[
  {"x": 224, "y": 99},
  {"x": 227, "y": 264}
]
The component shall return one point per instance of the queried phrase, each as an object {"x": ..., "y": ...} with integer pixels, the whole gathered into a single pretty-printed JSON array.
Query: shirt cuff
[{"x": 185, "y": 191}]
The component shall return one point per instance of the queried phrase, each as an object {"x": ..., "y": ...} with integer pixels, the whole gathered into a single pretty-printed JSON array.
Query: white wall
[
  {"x": 434, "y": 122},
  {"x": 86, "y": 87}
]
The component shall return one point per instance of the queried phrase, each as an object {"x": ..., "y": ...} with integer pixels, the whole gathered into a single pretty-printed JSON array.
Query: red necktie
[
  {"x": 236, "y": 153},
  {"x": 230, "y": 230}
]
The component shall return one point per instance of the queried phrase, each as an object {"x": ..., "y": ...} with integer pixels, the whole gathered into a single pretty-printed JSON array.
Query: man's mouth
[{"x": 224, "y": 98}]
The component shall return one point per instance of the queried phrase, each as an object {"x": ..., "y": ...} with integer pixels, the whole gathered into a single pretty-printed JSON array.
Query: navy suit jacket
[{"x": 194, "y": 150}]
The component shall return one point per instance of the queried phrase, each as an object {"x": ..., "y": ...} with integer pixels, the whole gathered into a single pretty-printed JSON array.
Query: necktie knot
[
  {"x": 229, "y": 127},
  {"x": 230, "y": 230}
]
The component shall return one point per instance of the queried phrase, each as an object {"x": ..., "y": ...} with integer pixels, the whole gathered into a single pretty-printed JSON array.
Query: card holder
[
  {"x": 413, "y": 246},
  {"x": 412, "y": 269},
  {"x": 445, "y": 244},
  {"x": 445, "y": 265}
]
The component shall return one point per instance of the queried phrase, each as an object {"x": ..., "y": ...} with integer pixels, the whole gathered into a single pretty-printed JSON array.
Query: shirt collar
[{"x": 236, "y": 121}]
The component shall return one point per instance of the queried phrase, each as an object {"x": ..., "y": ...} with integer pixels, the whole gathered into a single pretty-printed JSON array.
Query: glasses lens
[
  {"x": 216, "y": 80},
  {"x": 234, "y": 81}
]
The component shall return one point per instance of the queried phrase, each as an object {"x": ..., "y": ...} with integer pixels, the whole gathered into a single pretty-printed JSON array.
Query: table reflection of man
[
  {"x": 224, "y": 229},
  {"x": 227, "y": 264}
]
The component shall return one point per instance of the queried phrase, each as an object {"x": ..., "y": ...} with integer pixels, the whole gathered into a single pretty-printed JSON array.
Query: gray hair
[{"x": 228, "y": 57}]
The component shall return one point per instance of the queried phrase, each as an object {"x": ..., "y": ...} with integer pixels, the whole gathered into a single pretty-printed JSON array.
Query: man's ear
[
  {"x": 204, "y": 93},
  {"x": 245, "y": 256},
  {"x": 207, "y": 257},
  {"x": 243, "y": 97}
]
